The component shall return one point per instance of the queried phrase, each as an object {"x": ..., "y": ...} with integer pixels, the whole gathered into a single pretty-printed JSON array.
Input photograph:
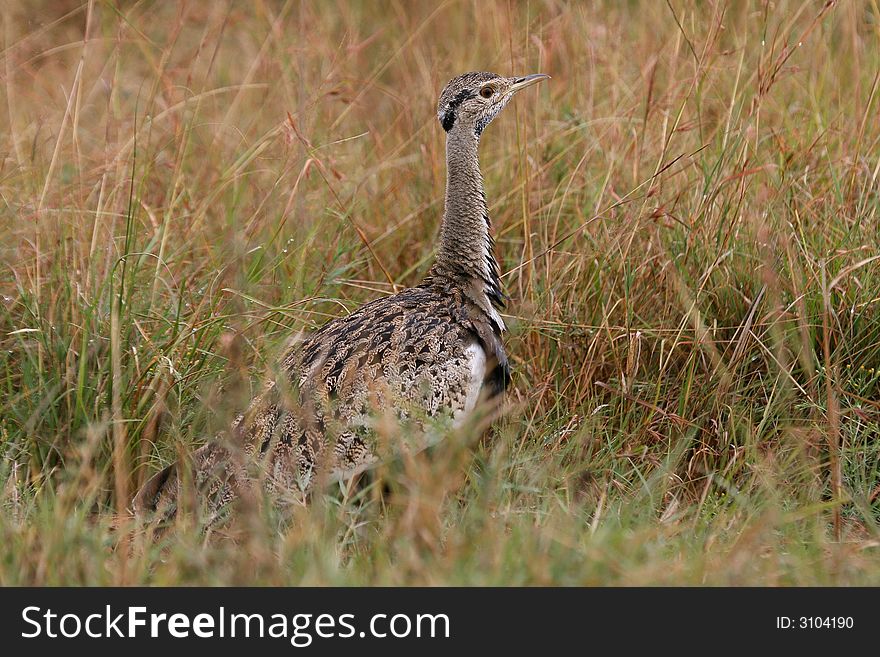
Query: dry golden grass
[{"x": 688, "y": 215}]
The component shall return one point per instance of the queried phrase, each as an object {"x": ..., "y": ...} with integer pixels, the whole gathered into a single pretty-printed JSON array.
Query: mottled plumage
[{"x": 425, "y": 356}]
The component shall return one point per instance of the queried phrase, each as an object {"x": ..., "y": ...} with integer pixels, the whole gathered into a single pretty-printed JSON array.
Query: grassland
[{"x": 688, "y": 216}]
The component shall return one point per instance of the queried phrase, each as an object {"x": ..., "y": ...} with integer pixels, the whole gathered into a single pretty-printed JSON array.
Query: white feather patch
[{"x": 477, "y": 360}]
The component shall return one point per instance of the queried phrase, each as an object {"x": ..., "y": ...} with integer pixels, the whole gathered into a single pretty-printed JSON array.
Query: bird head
[{"x": 470, "y": 101}]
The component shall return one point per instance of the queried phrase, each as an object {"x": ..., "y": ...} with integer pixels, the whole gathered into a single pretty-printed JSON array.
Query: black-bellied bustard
[{"x": 430, "y": 351}]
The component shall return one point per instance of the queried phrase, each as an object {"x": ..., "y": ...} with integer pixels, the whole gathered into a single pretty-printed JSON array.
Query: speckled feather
[{"x": 408, "y": 352}]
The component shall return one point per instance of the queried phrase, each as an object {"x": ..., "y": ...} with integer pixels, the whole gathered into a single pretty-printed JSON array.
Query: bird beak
[{"x": 527, "y": 81}]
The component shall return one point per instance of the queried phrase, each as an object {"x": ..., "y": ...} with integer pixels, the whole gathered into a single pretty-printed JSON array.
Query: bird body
[{"x": 427, "y": 355}]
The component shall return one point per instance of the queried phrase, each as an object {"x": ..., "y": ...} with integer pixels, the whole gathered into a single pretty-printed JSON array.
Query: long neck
[{"x": 466, "y": 250}]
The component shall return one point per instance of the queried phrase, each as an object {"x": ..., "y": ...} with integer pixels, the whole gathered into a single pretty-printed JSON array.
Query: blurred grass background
[{"x": 688, "y": 214}]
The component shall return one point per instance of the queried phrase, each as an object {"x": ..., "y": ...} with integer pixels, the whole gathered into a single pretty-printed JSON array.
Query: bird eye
[{"x": 486, "y": 92}]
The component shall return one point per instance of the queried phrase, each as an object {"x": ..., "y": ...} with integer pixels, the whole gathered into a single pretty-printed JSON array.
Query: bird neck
[{"x": 466, "y": 253}]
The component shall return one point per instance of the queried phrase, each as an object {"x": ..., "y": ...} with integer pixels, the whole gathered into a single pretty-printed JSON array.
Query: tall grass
[{"x": 688, "y": 214}]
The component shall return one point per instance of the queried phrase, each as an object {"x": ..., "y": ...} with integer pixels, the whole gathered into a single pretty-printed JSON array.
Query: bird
[{"x": 431, "y": 352}]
